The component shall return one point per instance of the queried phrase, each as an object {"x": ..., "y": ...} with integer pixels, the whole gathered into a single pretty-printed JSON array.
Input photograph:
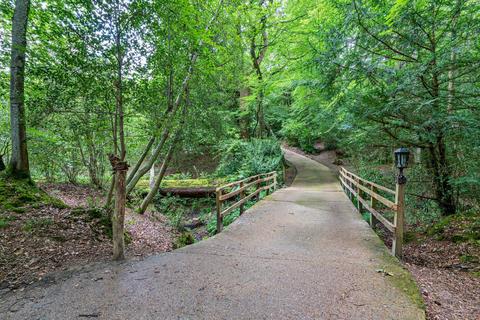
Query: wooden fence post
[
  {"x": 274, "y": 181},
  {"x": 359, "y": 195},
  {"x": 399, "y": 220},
  {"x": 267, "y": 183},
  {"x": 258, "y": 186},
  {"x": 242, "y": 195},
  {"x": 219, "y": 211},
  {"x": 349, "y": 183},
  {"x": 373, "y": 205}
]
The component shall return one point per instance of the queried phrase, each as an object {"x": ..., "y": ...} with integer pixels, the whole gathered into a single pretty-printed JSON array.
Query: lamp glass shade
[{"x": 401, "y": 158}]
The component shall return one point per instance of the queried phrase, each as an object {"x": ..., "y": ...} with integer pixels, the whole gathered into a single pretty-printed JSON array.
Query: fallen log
[{"x": 188, "y": 192}]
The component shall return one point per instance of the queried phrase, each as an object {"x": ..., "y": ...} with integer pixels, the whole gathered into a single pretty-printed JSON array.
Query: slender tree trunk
[
  {"x": 118, "y": 219},
  {"x": 142, "y": 158},
  {"x": 2, "y": 164},
  {"x": 19, "y": 166},
  {"x": 108, "y": 200},
  {"x": 447, "y": 200},
  {"x": 166, "y": 132},
  {"x": 146, "y": 167},
  {"x": 257, "y": 57},
  {"x": 152, "y": 177},
  {"x": 156, "y": 186},
  {"x": 119, "y": 164},
  {"x": 154, "y": 189},
  {"x": 438, "y": 149},
  {"x": 111, "y": 189},
  {"x": 243, "y": 119}
]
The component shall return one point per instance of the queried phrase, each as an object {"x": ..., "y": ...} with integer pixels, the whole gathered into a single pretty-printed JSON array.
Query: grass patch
[
  {"x": 17, "y": 194},
  {"x": 5, "y": 221},
  {"x": 3, "y": 224}
]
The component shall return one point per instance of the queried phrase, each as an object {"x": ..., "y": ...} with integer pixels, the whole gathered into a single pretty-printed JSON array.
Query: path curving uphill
[{"x": 302, "y": 253}]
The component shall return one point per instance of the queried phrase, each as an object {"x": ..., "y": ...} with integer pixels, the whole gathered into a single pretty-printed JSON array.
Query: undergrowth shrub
[{"x": 241, "y": 159}]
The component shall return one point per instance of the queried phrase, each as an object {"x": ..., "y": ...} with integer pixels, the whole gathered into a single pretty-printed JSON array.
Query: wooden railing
[
  {"x": 243, "y": 190},
  {"x": 357, "y": 188}
]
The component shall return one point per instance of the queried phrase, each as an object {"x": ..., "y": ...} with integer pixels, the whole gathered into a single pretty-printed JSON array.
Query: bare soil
[
  {"x": 46, "y": 239},
  {"x": 448, "y": 283}
]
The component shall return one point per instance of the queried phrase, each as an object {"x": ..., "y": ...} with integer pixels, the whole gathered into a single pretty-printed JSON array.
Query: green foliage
[
  {"x": 298, "y": 134},
  {"x": 176, "y": 209},
  {"x": 185, "y": 238},
  {"x": 5, "y": 221},
  {"x": 242, "y": 159},
  {"x": 371, "y": 77},
  {"x": 172, "y": 207}
]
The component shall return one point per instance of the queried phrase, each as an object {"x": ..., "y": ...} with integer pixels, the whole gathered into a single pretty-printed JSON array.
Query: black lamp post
[{"x": 401, "y": 162}]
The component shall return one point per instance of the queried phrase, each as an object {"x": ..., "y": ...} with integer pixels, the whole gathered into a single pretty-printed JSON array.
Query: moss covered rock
[{"x": 18, "y": 194}]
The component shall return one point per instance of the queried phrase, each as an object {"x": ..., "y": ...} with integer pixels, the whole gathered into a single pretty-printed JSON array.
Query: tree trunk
[
  {"x": 149, "y": 197},
  {"x": 257, "y": 58},
  {"x": 152, "y": 177},
  {"x": 187, "y": 192},
  {"x": 19, "y": 166},
  {"x": 119, "y": 165},
  {"x": 441, "y": 178},
  {"x": 143, "y": 170},
  {"x": 243, "y": 119},
  {"x": 133, "y": 182},
  {"x": 142, "y": 158},
  {"x": 438, "y": 150},
  {"x": 118, "y": 218},
  {"x": 2, "y": 164}
]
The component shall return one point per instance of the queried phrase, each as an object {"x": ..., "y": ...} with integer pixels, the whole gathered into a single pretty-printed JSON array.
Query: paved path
[{"x": 302, "y": 253}]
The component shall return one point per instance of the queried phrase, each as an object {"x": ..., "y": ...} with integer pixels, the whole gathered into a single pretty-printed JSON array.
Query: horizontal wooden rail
[
  {"x": 385, "y": 201},
  {"x": 240, "y": 189},
  {"x": 236, "y": 183},
  {"x": 356, "y": 188},
  {"x": 370, "y": 183}
]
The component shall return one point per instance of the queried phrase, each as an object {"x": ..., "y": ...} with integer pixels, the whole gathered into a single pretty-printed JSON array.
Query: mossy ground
[
  {"x": 398, "y": 275},
  {"x": 183, "y": 183},
  {"x": 16, "y": 195}
]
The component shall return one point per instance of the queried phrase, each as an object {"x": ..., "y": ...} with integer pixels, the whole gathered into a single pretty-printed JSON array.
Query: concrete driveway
[{"x": 301, "y": 253}]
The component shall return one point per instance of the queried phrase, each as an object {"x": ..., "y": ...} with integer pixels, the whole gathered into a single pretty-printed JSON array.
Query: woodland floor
[
  {"x": 46, "y": 239},
  {"x": 450, "y": 287}
]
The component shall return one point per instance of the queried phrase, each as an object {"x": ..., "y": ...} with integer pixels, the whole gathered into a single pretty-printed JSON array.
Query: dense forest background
[{"x": 363, "y": 76}]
